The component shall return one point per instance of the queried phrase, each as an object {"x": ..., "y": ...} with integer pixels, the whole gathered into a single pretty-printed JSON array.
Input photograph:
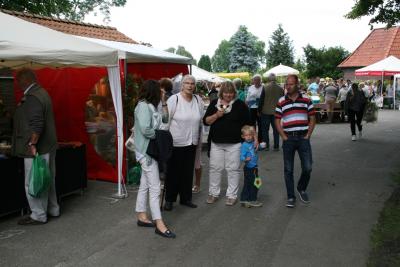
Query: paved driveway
[{"x": 350, "y": 182}]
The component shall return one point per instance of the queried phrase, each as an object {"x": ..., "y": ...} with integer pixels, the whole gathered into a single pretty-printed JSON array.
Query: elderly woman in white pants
[
  {"x": 147, "y": 121},
  {"x": 226, "y": 116}
]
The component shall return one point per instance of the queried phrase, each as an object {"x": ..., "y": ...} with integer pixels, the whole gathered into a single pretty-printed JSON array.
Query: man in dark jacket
[
  {"x": 268, "y": 100},
  {"x": 34, "y": 132}
]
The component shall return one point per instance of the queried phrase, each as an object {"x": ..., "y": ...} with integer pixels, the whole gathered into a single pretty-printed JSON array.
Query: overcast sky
[{"x": 201, "y": 25}]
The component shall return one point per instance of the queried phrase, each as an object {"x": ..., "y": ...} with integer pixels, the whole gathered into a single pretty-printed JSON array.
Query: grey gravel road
[{"x": 349, "y": 184}]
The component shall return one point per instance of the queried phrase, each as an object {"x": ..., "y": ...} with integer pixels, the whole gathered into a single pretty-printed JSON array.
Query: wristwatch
[{"x": 31, "y": 144}]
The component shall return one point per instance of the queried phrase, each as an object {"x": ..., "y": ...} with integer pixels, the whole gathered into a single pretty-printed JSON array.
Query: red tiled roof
[
  {"x": 379, "y": 44},
  {"x": 74, "y": 27}
]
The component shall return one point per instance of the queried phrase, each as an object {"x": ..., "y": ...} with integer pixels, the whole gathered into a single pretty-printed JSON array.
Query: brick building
[{"x": 379, "y": 44}]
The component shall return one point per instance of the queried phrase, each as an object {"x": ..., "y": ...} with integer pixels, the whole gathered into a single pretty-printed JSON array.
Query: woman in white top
[{"x": 185, "y": 111}]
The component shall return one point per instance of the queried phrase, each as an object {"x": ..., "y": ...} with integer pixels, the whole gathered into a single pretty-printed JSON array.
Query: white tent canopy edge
[{"x": 134, "y": 53}]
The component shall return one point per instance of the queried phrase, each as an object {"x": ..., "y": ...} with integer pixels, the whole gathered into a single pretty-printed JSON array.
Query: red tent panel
[{"x": 69, "y": 89}]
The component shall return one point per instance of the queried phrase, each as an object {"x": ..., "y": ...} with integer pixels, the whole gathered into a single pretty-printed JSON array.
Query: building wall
[{"x": 348, "y": 73}]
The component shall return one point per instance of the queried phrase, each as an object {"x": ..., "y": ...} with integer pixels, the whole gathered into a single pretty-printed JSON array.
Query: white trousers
[
  {"x": 47, "y": 202},
  {"x": 149, "y": 185},
  {"x": 224, "y": 156}
]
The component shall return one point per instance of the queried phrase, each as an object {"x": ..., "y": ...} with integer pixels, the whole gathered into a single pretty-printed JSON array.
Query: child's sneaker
[
  {"x": 255, "y": 204},
  {"x": 245, "y": 204}
]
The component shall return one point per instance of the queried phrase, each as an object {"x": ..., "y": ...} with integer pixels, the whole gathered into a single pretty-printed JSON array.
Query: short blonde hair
[
  {"x": 227, "y": 87},
  {"x": 248, "y": 129}
]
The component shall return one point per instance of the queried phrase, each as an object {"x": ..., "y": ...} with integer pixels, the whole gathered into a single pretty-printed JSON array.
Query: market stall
[
  {"x": 23, "y": 44},
  {"x": 87, "y": 106},
  {"x": 386, "y": 67}
]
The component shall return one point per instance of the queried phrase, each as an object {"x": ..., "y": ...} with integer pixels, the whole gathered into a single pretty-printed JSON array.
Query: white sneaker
[
  {"x": 353, "y": 138},
  {"x": 263, "y": 145},
  {"x": 359, "y": 135}
]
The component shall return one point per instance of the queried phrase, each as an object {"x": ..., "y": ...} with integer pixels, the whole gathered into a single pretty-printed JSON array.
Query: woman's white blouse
[{"x": 186, "y": 119}]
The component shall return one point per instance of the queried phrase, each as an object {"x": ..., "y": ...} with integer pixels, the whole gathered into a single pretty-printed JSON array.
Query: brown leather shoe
[
  {"x": 230, "y": 201},
  {"x": 211, "y": 199},
  {"x": 27, "y": 220}
]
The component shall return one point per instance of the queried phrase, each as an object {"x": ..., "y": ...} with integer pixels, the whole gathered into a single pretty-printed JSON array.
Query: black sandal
[
  {"x": 167, "y": 233},
  {"x": 145, "y": 224}
]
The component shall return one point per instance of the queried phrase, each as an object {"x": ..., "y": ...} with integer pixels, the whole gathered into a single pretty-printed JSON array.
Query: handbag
[
  {"x": 160, "y": 148},
  {"x": 130, "y": 143}
]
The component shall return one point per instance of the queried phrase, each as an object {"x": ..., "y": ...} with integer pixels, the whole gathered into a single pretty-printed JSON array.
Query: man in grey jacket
[
  {"x": 34, "y": 132},
  {"x": 268, "y": 100}
]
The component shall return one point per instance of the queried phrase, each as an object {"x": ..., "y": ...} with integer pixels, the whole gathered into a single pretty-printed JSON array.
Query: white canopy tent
[
  {"x": 385, "y": 67},
  {"x": 389, "y": 66},
  {"x": 203, "y": 75},
  {"x": 134, "y": 53},
  {"x": 281, "y": 70},
  {"x": 27, "y": 44}
]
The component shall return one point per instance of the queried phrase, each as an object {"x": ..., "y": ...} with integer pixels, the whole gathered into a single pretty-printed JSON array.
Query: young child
[{"x": 248, "y": 154}]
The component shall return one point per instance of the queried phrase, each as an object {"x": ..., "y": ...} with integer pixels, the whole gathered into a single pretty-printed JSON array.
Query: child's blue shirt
[{"x": 248, "y": 150}]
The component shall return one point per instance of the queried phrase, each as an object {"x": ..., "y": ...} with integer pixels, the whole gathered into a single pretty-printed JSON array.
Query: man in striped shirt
[{"x": 295, "y": 122}]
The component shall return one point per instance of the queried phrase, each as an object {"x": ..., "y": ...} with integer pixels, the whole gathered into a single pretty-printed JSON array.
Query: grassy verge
[{"x": 385, "y": 237}]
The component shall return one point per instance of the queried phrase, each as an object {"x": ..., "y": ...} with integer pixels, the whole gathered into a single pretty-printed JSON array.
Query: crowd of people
[
  {"x": 352, "y": 97},
  {"x": 239, "y": 126},
  {"x": 239, "y": 122}
]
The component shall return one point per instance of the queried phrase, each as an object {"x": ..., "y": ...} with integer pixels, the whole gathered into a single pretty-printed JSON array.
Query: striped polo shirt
[{"x": 294, "y": 114}]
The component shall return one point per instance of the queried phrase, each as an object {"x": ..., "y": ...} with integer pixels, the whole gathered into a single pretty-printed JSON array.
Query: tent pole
[
  {"x": 119, "y": 73},
  {"x": 125, "y": 116},
  {"x": 190, "y": 69},
  {"x": 394, "y": 95}
]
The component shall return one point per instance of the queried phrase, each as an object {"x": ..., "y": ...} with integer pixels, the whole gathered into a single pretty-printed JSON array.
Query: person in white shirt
[
  {"x": 185, "y": 112},
  {"x": 364, "y": 89},
  {"x": 342, "y": 98},
  {"x": 252, "y": 101}
]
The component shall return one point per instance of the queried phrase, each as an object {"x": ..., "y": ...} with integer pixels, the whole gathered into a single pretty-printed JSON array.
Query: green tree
[
  {"x": 183, "y": 52},
  {"x": 245, "y": 52},
  {"x": 171, "y": 50},
  {"x": 280, "y": 49},
  {"x": 383, "y": 11},
  {"x": 68, "y": 9},
  {"x": 205, "y": 62},
  {"x": 220, "y": 61},
  {"x": 300, "y": 65},
  {"x": 323, "y": 62}
]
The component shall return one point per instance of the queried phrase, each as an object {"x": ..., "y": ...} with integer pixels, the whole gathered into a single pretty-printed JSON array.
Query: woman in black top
[
  {"x": 355, "y": 102},
  {"x": 226, "y": 116}
]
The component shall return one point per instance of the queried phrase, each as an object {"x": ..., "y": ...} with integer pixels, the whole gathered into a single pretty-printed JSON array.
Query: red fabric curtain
[
  {"x": 157, "y": 70},
  {"x": 69, "y": 89}
]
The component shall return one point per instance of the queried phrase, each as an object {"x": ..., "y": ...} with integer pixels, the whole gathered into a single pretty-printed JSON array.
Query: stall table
[
  {"x": 321, "y": 109},
  {"x": 71, "y": 176}
]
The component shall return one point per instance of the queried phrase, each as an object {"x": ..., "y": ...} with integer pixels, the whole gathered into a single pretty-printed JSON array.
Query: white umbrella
[
  {"x": 281, "y": 70},
  {"x": 203, "y": 75}
]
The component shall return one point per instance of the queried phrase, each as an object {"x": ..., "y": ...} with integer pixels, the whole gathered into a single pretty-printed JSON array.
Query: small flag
[{"x": 258, "y": 182}]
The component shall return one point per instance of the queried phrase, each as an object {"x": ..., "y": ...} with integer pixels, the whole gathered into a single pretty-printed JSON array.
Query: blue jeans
[
  {"x": 303, "y": 148},
  {"x": 249, "y": 192},
  {"x": 267, "y": 120}
]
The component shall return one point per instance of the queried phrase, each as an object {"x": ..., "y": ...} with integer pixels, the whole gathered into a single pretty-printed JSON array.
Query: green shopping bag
[
  {"x": 134, "y": 175},
  {"x": 39, "y": 178}
]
